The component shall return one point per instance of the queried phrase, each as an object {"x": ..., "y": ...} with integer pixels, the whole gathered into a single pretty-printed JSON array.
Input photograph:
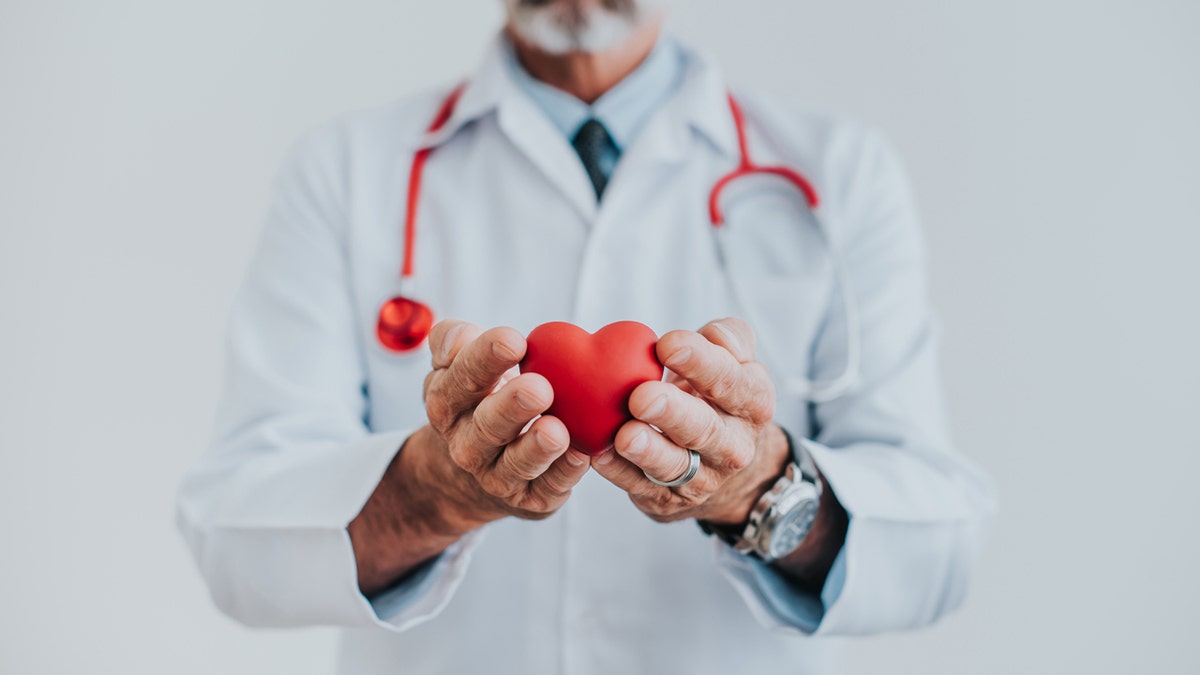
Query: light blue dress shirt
[{"x": 623, "y": 110}]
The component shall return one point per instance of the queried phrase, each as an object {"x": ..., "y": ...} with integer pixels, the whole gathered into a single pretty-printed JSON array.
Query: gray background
[{"x": 1054, "y": 146}]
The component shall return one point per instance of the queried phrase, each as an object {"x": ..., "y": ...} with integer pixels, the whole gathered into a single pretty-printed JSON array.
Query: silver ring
[{"x": 692, "y": 469}]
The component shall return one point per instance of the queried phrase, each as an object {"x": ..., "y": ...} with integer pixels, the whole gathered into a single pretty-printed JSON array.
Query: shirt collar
[
  {"x": 700, "y": 98},
  {"x": 624, "y": 109}
]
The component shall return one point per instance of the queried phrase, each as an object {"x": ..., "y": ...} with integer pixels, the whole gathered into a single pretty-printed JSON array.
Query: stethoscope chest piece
[{"x": 404, "y": 324}]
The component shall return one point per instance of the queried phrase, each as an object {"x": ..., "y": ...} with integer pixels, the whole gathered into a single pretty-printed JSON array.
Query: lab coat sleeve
[
  {"x": 918, "y": 510},
  {"x": 292, "y": 461}
]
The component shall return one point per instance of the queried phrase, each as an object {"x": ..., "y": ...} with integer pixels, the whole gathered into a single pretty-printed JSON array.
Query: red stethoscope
[{"x": 404, "y": 323}]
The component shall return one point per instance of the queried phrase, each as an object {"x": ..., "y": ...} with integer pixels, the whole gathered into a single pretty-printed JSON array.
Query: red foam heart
[{"x": 592, "y": 376}]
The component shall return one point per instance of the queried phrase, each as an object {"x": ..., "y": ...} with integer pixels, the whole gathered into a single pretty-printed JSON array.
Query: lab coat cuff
[
  {"x": 425, "y": 592},
  {"x": 896, "y": 549},
  {"x": 277, "y": 551},
  {"x": 422, "y": 594},
  {"x": 777, "y": 602}
]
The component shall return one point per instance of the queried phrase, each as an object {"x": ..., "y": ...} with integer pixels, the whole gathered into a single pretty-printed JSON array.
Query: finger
[
  {"x": 677, "y": 380},
  {"x": 500, "y": 417},
  {"x": 478, "y": 366},
  {"x": 508, "y": 376},
  {"x": 527, "y": 458},
  {"x": 448, "y": 337},
  {"x": 627, "y": 476},
  {"x": 734, "y": 335},
  {"x": 659, "y": 457},
  {"x": 744, "y": 390},
  {"x": 687, "y": 420},
  {"x": 564, "y": 473}
]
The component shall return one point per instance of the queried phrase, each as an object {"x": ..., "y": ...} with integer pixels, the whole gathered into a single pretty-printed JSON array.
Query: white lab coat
[{"x": 509, "y": 233}]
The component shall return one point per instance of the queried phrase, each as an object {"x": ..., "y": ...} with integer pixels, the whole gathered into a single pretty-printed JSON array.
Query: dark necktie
[{"x": 591, "y": 142}]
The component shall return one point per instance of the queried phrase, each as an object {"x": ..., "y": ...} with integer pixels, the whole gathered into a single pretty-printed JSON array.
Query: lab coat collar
[
  {"x": 703, "y": 99},
  {"x": 482, "y": 93},
  {"x": 701, "y": 102}
]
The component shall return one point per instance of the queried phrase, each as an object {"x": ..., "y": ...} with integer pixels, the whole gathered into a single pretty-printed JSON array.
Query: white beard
[{"x": 564, "y": 26}]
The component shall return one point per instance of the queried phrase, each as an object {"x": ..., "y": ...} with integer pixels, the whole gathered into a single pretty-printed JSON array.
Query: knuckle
[
  {"x": 663, "y": 502},
  {"x": 467, "y": 378},
  {"x": 759, "y": 413},
  {"x": 762, "y": 413},
  {"x": 662, "y": 508},
  {"x": 542, "y": 503},
  {"x": 465, "y": 460},
  {"x": 502, "y": 490},
  {"x": 704, "y": 490},
  {"x": 521, "y": 468},
  {"x": 536, "y": 514},
  {"x": 709, "y": 435},
  {"x": 648, "y": 503},
  {"x": 734, "y": 461},
  {"x": 644, "y": 493},
  {"x": 761, "y": 401},
  {"x": 523, "y": 460},
  {"x": 486, "y": 428},
  {"x": 556, "y": 483},
  {"x": 441, "y": 418},
  {"x": 528, "y": 501},
  {"x": 724, "y": 383}
]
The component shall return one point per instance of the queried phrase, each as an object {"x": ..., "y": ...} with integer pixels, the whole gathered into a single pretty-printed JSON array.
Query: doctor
[{"x": 352, "y": 483}]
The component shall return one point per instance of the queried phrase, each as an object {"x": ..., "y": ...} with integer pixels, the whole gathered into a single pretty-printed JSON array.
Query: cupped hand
[
  {"x": 717, "y": 400},
  {"x": 479, "y": 413}
]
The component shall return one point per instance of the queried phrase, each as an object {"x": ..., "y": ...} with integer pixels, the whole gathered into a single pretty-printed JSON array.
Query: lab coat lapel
[
  {"x": 701, "y": 105},
  {"x": 526, "y": 127},
  {"x": 704, "y": 98},
  {"x": 535, "y": 136}
]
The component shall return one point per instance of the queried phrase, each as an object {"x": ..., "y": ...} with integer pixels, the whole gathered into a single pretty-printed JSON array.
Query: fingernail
[
  {"x": 655, "y": 409},
  {"x": 679, "y": 357},
  {"x": 544, "y": 442},
  {"x": 575, "y": 459},
  {"x": 503, "y": 352},
  {"x": 639, "y": 443},
  {"x": 448, "y": 341},
  {"x": 731, "y": 341},
  {"x": 526, "y": 402},
  {"x": 606, "y": 458}
]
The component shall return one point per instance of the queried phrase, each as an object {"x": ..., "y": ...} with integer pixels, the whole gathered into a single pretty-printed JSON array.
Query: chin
[{"x": 564, "y": 26}]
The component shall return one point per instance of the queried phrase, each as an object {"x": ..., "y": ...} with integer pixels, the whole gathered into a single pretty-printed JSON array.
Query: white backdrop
[{"x": 1055, "y": 146}]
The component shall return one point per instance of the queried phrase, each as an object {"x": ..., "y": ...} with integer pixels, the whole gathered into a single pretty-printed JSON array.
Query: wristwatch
[{"x": 783, "y": 516}]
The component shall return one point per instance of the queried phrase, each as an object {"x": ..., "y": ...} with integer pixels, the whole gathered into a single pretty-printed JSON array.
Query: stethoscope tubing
[{"x": 816, "y": 391}]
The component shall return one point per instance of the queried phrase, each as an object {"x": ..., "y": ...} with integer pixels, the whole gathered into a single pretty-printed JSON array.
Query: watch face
[{"x": 792, "y": 528}]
